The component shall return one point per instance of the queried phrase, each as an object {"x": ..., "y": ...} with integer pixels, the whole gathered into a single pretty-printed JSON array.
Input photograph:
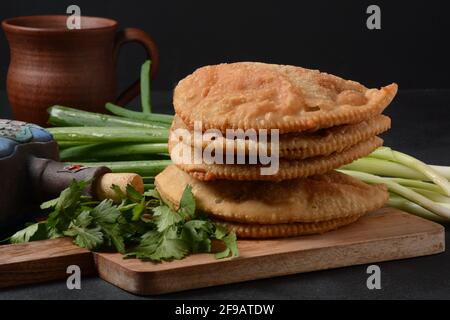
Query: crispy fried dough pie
[
  {"x": 252, "y": 95},
  {"x": 323, "y": 122},
  {"x": 297, "y": 146},
  {"x": 288, "y": 169},
  {"x": 333, "y": 197}
]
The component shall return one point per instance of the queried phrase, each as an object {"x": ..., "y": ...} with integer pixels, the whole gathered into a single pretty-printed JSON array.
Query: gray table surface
[{"x": 421, "y": 127}]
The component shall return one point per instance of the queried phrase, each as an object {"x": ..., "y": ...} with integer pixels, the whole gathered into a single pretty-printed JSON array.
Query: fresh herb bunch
[{"x": 141, "y": 226}]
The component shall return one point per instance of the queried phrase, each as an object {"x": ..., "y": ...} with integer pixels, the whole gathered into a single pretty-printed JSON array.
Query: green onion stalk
[
  {"x": 405, "y": 192},
  {"x": 111, "y": 151},
  {"x": 431, "y": 174},
  {"x": 113, "y": 134},
  {"x": 414, "y": 186},
  {"x": 145, "y": 88},
  {"x": 141, "y": 167},
  {"x": 61, "y": 116}
]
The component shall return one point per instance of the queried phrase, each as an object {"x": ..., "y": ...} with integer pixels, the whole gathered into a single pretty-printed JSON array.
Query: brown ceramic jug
[{"x": 51, "y": 64}]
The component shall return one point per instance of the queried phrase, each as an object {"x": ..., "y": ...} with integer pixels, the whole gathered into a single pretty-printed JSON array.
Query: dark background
[{"x": 410, "y": 49}]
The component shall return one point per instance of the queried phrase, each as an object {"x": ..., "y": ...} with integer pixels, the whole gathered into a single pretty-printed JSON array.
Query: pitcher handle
[{"x": 128, "y": 35}]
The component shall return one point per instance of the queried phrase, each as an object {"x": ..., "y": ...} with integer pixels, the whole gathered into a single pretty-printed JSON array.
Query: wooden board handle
[{"x": 103, "y": 185}]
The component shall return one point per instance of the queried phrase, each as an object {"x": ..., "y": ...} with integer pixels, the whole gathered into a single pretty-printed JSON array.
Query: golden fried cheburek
[
  {"x": 297, "y": 146},
  {"x": 323, "y": 121},
  {"x": 265, "y": 231},
  {"x": 288, "y": 169},
  {"x": 253, "y": 95},
  {"x": 328, "y": 197}
]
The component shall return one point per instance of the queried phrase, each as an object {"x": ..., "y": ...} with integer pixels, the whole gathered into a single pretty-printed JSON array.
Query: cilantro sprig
[{"x": 141, "y": 226}]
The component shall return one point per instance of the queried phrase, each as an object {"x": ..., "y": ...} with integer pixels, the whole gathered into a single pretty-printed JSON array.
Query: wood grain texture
[
  {"x": 386, "y": 234},
  {"x": 42, "y": 261}
]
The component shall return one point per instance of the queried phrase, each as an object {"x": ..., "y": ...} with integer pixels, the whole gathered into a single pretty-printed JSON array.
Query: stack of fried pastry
[{"x": 324, "y": 122}]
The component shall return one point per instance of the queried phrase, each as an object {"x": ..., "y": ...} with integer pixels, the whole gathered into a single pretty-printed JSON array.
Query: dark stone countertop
[{"x": 421, "y": 127}]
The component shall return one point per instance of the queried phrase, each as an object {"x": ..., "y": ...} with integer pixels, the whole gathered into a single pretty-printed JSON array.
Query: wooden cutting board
[
  {"x": 42, "y": 261},
  {"x": 386, "y": 234}
]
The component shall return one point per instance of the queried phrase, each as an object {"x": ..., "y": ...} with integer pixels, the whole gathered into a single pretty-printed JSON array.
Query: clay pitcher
[{"x": 52, "y": 64}]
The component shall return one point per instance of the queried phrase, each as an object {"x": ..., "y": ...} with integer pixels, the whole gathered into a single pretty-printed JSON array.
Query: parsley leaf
[
  {"x": 149, "y": 243},
  {"x": 170, "y": 249},
  {"x": 89, "y": 238},
  {"x": 138, "y": 210},
  {"x": 231, "y": 243},
  {"x": 106, "y": 216},
  {"x": 220, "y": 231},
  {"x": 157, "y": 246},
  {"x": 86, "y": 238},
  {"x": 165, "y": 217},
  {"x": 70, "y": 197},
  {"x": 66, "y": 208},
  {"x": 133, "y": 195},
  {"x": 105, "y": 212},
  {"x": 49, "y": 204},
  {"x": 36, "y": 231},
  {"x": 118, "y": 191},
  {"x": 197, "y": 234},
  {"x": 187, "y": 204}
]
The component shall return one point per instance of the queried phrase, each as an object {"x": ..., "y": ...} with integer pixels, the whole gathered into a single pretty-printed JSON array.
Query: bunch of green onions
[
  {"x": 126, "y": 141},
  {"x": 414, "y": 186}
]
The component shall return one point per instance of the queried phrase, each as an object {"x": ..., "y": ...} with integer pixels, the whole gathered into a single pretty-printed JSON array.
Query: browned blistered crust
[
  {"x": 288, "y": 169},
  {"x": 297, "y": 145},
  {"x": 252, "y": 95},
  {"x": 318, "y": 198}
]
